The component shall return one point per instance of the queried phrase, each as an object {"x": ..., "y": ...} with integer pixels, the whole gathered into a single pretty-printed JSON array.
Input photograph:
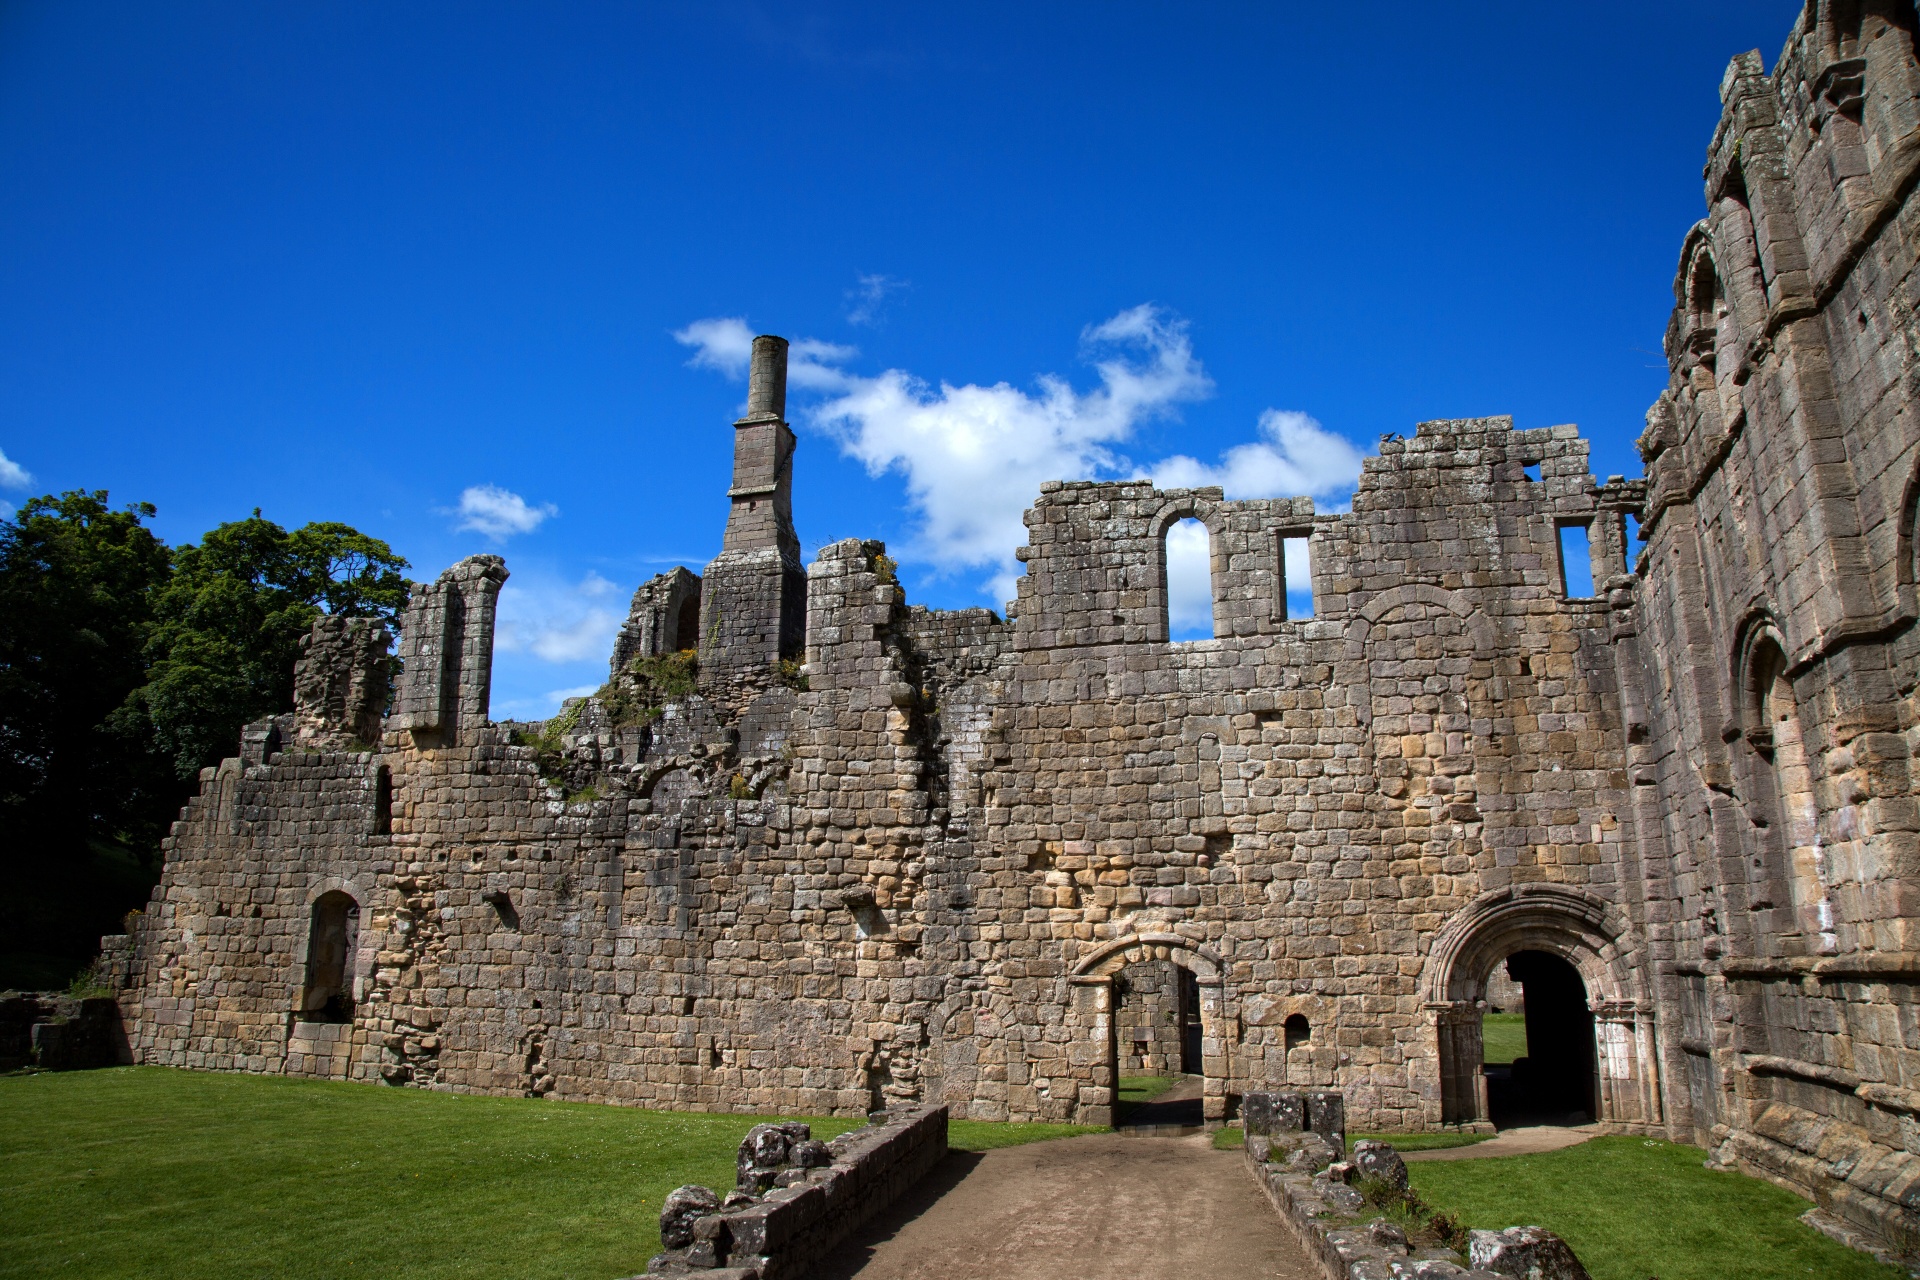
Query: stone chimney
[{"x": 753, "y": 605}]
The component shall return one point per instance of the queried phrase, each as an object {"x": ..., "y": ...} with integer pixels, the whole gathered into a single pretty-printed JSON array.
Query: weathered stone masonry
[{"x": 883, "y": 854}]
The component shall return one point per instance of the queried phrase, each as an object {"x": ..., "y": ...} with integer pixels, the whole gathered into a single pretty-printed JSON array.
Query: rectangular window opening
[
  {"x": 1531, "y": 470},
  {"x": 1576, "y": 562},
  {"x": 1296, "y": 575}
]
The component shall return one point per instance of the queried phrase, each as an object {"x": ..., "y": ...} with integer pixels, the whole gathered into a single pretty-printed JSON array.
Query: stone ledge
[
  {"x": 1302, "y": 1174},
  {"x": 810, "y": 1208}
]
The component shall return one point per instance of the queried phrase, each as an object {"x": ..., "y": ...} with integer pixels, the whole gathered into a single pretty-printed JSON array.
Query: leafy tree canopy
[
  {"x": 228, "y": 624},
  {"x": 125, "y": 667},
  {"x": 77, "y": 586}
]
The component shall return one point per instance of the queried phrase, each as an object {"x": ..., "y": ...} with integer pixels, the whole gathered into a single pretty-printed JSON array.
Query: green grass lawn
[
  {"x": 1634, "y": 1208},
  {"x": 147, "y": 1172},
  {"x": 1138, "y": 1089},
  {"x": 1503, "y": 1036}
]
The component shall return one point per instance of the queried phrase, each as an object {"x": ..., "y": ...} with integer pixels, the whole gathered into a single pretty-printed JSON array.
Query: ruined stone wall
[
  {"x": 919, "y": 866},
  {"x": 1774, "y": 613}
]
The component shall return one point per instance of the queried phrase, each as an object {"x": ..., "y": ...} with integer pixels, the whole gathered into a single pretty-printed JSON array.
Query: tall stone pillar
[
  {"x": 446, "y": 652},
  {"x": 753, "y": 599}
]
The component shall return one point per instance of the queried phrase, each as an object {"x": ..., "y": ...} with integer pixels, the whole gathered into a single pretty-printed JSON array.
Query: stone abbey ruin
[{"x": 864, "y": 852}]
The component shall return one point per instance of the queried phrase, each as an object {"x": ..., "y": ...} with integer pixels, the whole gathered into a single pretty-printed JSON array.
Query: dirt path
[
  {"x": 1092, "y": 1208},
  {"x": 1514, "y": 1142}
]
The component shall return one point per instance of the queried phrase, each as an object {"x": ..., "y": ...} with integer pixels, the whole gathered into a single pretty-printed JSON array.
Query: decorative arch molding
[
  {"x": 1203, "y": 505},
  {"x": 1696, "y": 251},
  {"x": 1100, "y": 964},
  {"x": 1587, "y": 932},
  {"x": 1479, "y": 626}
]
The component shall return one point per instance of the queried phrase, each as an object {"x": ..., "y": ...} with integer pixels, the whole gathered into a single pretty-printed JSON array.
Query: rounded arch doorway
[{"x": 1584, "y": 1027}]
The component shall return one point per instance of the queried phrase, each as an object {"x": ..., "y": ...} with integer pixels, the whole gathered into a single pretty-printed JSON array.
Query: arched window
[
  {"x": 331, "y": 935},
  {"x": 1189, "y": 558},
  {"x": 1780, "y": 803}
]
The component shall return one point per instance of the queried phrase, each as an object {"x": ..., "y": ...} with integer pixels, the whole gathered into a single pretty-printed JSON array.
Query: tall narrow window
[
  {"x": 1576, "y": 562},
  {"x": 331, "y": 934},
  {"x": 1189, "y": 553},
  {"x": 1296, "y": 576},
  {"x": 383, "y": 801}
]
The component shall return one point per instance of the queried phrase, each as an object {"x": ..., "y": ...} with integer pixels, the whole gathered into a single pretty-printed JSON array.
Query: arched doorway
[
  {"x": 1589, "y": 1025},
  {"x": 1555, "y": 1079},
  {"x": 1157, "y": 1040},
  {"x": 1152, "y": 1004}
]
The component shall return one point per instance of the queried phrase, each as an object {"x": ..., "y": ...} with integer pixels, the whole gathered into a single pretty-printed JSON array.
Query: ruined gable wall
[{"x": 1301, "y": 804}]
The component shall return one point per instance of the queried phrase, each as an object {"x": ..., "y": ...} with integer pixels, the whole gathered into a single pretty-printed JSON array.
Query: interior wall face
[{"x": 951, "y": 855}]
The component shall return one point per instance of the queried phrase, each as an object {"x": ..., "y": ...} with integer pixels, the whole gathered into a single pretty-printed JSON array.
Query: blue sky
[{"x": 421, "y": 268}]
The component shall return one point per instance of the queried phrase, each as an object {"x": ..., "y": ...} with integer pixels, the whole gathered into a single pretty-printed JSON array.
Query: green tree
[
  {"x": 77, "y": 586},
  {"x": 228, "y": 623}
]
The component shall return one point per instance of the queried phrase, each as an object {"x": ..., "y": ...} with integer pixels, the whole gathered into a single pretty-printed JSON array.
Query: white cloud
[
  {"x": 869, "y": 298},
  {"x": 722, "y": 343},
  {"x": 13, "y": 475},
  {"x": 558, "y": 621},
  {"x": 1296, "y": 456},
  {"x": 498, "y": 513},
  {"x": 974, "y": 456},
  {"x": 810, "y": 364}
]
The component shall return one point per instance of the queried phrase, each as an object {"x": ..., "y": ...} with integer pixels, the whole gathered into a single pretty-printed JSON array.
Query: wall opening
[
  {"x": 1779, "y": 784},
  {"x": 503, "y": 909},
  {"x": 686, "y": 627},
  {"x": 332, "y": 932},
  {"x": 383, "y": 801},
  {"x": 1576, "y": 561},
  {"x": 1157, "y": 1039},
  {"x": 1189, "y": 556},
  {"x": 1296, "y": 576},
  {"x": 1553, "y": 1079},
  {"x": 1189, "y": 551},
  {"x": 1531, "y": 470},
  {"x": 1297, "y": 1031}
]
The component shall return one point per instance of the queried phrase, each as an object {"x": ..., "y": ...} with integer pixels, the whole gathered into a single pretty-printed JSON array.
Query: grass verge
[
  {"x": 1633, "y": 1208},
  {"x": 152, "y": 1173},
  {"x": 1503, "y": 1037}
]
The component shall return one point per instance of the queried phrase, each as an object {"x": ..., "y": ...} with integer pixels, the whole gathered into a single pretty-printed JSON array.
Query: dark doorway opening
[
  {"x": 1189, "y": 1023},
  {"x": 1555, "y": 1081},
  {"x": 686, "y": 628},
  {"x": 1157, "y": 1043},
  {"x": 326, "y": 995}
]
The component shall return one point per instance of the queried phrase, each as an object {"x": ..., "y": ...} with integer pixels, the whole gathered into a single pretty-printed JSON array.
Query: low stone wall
[
  {"x": 59, "y": 1032},
  {"x": 797, "y": 1198},
  {"x": 1295, "y": 1153}
]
